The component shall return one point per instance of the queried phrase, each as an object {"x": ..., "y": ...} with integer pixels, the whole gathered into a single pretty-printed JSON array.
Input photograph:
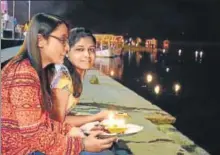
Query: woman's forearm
[{"x": 80, "y": 120}]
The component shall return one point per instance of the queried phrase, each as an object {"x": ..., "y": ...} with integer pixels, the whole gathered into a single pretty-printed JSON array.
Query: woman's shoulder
[
  {"x": 20, "y": 74},
  {"x": 61, "y": 77},
  {"x": 22, "y": 69},
  {"x": 60, "y": 68}
]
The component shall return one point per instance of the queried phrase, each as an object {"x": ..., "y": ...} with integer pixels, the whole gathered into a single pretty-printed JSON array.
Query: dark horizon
[{"x": 175, "y": 19}]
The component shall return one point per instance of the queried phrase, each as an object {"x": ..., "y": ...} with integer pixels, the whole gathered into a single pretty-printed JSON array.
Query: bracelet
[{"x": 83, "y": 144}]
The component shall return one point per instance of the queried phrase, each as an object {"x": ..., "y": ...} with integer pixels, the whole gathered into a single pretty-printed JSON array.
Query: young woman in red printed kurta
[
  {"x": 25, "y": 93},
  {"x": 26, "y": 126}
]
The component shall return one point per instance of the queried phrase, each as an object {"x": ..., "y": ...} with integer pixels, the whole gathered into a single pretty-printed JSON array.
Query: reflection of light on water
[
  {"x": 177, "y": 87},
  {"x": 167, "y": 69},
  {"x": 129, "y": 56},
  {"x": 149, "y": 78},
  {"x": 138, "y": 58},
  {"x": 153, "y": 57},
  {"x": 200, "y": 60},
  {"x": 179, "y": 52},
  {"x": 111, "y": 66},
  {"x": 157, "y": 89},
  {"x": 112, "y": 73},
  {"x": 196, "y": 54},
  {"x": 201, "y": 54}
]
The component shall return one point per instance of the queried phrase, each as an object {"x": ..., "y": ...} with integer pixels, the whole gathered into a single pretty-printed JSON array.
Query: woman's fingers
[
  {"x": 96, "y": 133},
  {"x": 106, "y": 146},
  {"x": 108, "y": 140},
  {"x": 97, "y": 128}
]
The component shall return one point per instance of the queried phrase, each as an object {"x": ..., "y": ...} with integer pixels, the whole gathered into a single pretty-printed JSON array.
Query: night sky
[{"x": 188, "y": 20}]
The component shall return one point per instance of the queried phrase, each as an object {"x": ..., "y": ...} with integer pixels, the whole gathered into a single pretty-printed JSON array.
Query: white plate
[
  {"x": 131, "y": 130},
  {"x": 88, "y": 126}
]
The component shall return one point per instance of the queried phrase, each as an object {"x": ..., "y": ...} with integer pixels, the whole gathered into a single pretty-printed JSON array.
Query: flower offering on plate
[{"x": 114, "y": 125}]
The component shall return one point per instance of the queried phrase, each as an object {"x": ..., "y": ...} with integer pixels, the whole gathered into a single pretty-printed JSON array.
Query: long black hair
[
  {"x": 74, "y": 36},
  {"x": 43, "y": 24}
]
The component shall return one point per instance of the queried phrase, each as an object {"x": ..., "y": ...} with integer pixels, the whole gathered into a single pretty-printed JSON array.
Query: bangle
[{"x": 83, "y": 144}]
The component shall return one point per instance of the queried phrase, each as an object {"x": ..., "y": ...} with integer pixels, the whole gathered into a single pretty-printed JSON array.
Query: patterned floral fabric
[
  {"x": 25, "y": 127},
  {"x": 62, "y": 80}
]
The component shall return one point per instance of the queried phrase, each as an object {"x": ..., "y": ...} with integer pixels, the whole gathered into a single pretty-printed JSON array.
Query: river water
[{"x": 195, "y": 68}]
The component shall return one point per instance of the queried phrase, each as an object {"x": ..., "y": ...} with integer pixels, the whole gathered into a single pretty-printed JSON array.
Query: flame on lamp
[
  {"x": 112, "y": 121},
  {"x": 157, "y": 89},
  {"x": 176, "y": 87},
  {"x": 149, "y": 78},
  {"x": 112, "y": 73}
]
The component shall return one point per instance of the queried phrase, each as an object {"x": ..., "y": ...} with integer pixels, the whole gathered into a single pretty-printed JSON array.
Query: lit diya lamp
[{"x": 115, "y": 124}]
